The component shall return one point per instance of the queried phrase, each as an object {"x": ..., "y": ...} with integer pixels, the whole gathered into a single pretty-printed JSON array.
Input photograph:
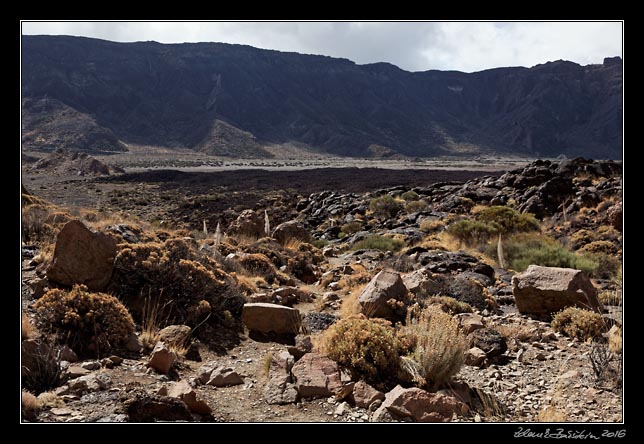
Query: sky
[{"x": 412, "y": 46}]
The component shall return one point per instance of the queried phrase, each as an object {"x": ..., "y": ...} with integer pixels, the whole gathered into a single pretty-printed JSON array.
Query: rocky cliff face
[{"x": 233, "y": 99}]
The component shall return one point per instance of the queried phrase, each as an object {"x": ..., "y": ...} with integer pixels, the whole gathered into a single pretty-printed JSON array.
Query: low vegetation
[
  {"x": 385, "y": 206},
  {"x": 578, "y": 323},
  {"x": 369, "y": 347},
  {"x": 449, "y": 304},
  {"x": 438, "y": 347},
  {"x": 90, "y": 323},
  {"x": 377, "y": 242}
]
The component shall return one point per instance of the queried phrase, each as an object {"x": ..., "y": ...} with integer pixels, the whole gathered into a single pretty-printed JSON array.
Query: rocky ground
[{"x": 523, "y": 372}]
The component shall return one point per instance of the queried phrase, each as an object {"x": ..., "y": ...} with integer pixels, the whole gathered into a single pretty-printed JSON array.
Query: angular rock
[
  {"x": 546, "y": 290},
  {"x": 75, "y": 371},
  {"x": 177, "y": 335},
  {"x": 291, "y": 230},
  {"x": 143, "y": 407},
  {"x": 469, "y": 322},
  {"x": 271, "y": 318},
  {"x": 364, "y": 395},
  {"x": 162, "y": 358},
  {"x": 187, "y": 394},
  {"x": 280, "y": 388},
  {"x": 67, "y": 354},
  {"x": 88, "y": 383},
  {"x": 489, "y": 341},
  {"x": 133, "y": 343},
  {"x": 316, "y": 375},
  {"x": 224, "y": 377},
  {"x": 475, "y": 357},
  {"x": 303, "y": 345},
  {"x": 248, "y": 223},
  {"x": 419, "y": 405},
  {"x": 82, "y": 257},
  {"x": 384, "y": 286}
]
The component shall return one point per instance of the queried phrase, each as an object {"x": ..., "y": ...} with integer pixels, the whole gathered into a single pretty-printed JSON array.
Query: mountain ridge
[{"x": 233, "y": 100}]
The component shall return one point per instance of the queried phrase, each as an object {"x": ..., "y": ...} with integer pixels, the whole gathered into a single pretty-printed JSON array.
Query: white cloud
[{"x": 414, "y": 46}]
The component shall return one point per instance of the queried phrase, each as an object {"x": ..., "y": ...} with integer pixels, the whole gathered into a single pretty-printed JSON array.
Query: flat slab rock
[
  {"x": 316, "y": 375},
  {"x": 418, "y": 405},
  {"x": 271, "y": 318}
]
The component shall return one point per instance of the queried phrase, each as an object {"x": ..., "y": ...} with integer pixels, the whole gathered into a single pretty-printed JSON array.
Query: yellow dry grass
[
  {"x": 350, "y": 305},
  {"x": 26, "y": 327}
]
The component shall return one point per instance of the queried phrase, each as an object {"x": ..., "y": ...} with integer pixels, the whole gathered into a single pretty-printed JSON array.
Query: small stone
[
  {"x": 224, "y": 377},
  {"x": 91, "y": 365},
  {"x": 162, "y": 358}
]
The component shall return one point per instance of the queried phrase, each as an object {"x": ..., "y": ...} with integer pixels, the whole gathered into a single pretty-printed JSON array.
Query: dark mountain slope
[{"x": 232, "y": 99}]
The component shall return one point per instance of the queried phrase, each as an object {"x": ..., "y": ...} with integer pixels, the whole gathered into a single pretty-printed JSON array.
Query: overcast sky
[{"x": 462, "y": 46}]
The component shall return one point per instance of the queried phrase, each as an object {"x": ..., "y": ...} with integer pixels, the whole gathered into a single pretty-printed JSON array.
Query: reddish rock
[
  {"x": 364, "y": 395},
  {"x": 546, "y": 290},
  {"x": 419, "y": 405},
  {"x": 175, "y": 335},
  {"x": 162, "y": 358},
  {"x": 374, "y": 298},
  {"x": 291, "y": 230},
  {"x": 82, "y": 257},
  {"x": 316, "y": 376},
  {"x": 280, "y": 388},
  {"x": 267, "y": 318},
  {"x": 184, "y": 392}
]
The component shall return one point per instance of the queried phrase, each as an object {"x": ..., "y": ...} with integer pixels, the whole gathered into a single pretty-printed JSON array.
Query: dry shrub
[
  {"x": 174, "y": 271},
  {"x": 431, "y": 225},
  {"x": 87, "y": 322},
  {"x": 30, "y": 405},
  {"x": 615, "y": 342},
  {"x": 258, "y": 264},
  {"x": 555, "y": 411},
  {"x": 369, "y": 347},
  {"x": 34, "y": 228},
  {"x": 26, "y": 329},
  {"x": 450, "y": 305},
  {"x": 293, "y": 244},
  {"x": 350, "y": 305},
  {"x": 154, "y": 315},
  {"x": 578, "y": 323},
  {"x": 359, "y": 276},
  {"x": 599, "y": 247},
  {"x": 438, "y": 346},
  {"x": 50, "y": 400},
  {"x": 40, "y": 366},
  {"x": 518, "y": 332},
  {"x": 610, "y": 298}
]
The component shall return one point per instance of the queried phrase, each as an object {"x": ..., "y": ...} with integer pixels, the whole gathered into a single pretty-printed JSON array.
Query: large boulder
[
  {"x": 176, "y": 335},
  {"x": 418, "y": 405},
  {"x": 316, "y": 376},
  {"x": 271, "y": 318},
  {"x": 82, "y": 257},
  {"x": 384, "y": 286},
  {"x": 291, "y": 230},
  {"x": 249, "y": 223},
  {"x": 546, "y": 290}
]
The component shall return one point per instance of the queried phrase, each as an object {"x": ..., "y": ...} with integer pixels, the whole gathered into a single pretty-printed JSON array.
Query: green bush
[
  {"x": 409, "y": 196},
  {"x": 471, "y": 232},
  {"x": 320, "y": 243},
  {"x": 598, "y": 247},
  {"x": 88, "y": 322},
  {"x": 369, "y": 347},
  {"x": 377, "y": 242},
  {"x": 578, "y": 323},
  {"x": 351, "y": 227},
  {"x": 438, "y": 347},
  {"x": 449, "y": 304},
  {"x": 385, "y": 206},
  {"x": 606, "y": 266},
  {"x": 525, "y": 249},
  {"x": 415, "y": 206},
  {"x": 507, "y": 220}
]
